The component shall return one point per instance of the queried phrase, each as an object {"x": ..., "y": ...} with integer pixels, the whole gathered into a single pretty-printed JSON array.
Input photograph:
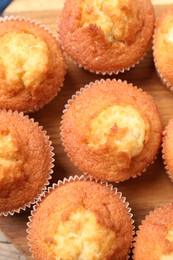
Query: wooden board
[{"x": 143, "y": 193}]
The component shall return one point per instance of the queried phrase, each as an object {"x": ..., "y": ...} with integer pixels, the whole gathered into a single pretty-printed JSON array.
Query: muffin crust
[
  {"x": 155, "y": 236},
  {"x": 25, "y": 161},
  {"x": 163, "y": 45},
  {"x": 108, "y": 149},
  {"x": 103, "y": 213},
  {"x": 102, "y": 35},
  {"x": 32, "y": 66},
  {"x": 167, "y": 148}
]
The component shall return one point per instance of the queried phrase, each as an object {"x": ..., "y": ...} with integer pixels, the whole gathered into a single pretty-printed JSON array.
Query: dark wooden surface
[{"x": 144, "y": 193}]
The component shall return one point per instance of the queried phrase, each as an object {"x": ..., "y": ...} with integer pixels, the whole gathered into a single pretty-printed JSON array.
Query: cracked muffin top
[
  {"x": 119, "y": 132},
  {"x": 163, "y": 45},
  {"x": 81, "y": 220},
  {"x": 32, "y": 66},
  {"x": 106, "y": 36},
  {"x": 154, "y": 239},
  {"x": 25, "y": 161}
]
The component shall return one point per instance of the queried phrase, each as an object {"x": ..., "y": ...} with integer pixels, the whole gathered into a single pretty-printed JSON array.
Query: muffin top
[
  {"x": 121, "y": 126},
  {"x": 155, "y": 236},
  {"x": 101, "y": 35},
  {"x": 25, "y": 161},
  {"x": 32, "y": 66},
  {"x": 119, "y": 131},
  {"x": 83, "y": 220},
  {"x": 167, "y": 147},
  {"x": 113, "y": 18},
  {"x": 25, "y": 62},
  {"x": 163, "y": 45}
]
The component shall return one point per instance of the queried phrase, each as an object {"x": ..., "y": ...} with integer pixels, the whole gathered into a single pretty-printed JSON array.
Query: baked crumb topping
[
  {"x": 111, "y": 16},
  {"x": 121, "y": 127},
  {"x": 24, "y": 59},
  {"x": 82, "y": 237}
]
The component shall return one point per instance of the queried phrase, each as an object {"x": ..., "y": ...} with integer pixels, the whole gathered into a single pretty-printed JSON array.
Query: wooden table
[{"x": 143, "y": 193}]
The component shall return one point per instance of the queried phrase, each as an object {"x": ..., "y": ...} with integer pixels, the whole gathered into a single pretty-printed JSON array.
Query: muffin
[
  {"x": 32, "y": 66},
  {"x": 119, "y": 132},
  {"x": 163, "y": 46},
  {"x": 81, "y": 219},
  {"x": 25, "y": 161},
  {"x": 106, "y": 36},
  {"x": 167, "y": 148},
  {"x": 155, "y": 236}
]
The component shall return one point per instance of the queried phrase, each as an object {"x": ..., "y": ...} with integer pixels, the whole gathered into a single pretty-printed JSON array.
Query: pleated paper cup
[
  {"x": 154, "y": 235},
  {"x": 103, "y": 160},
  {"x": 80, "y": 199},
  {"x": 26, "y": 161},
  {"x": 167, "y": 153},
  {"x": 162, "y": 48},
  {"x": 36, "y": 73},
  {"x": 106, "y": 41}
]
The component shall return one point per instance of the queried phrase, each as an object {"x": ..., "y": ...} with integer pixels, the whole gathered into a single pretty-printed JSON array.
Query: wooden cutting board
[{"x": 143, "y": 193}]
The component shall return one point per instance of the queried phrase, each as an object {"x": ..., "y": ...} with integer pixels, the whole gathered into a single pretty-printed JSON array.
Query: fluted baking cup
[
  {"x": 38, "y": 69},
  {"x": 103, "y": 73},
  {"x": 87, "y": 104},
  {"x": 119, "y": 202},
  {"x": 97, "y": 47},
  {"x": 26, "y": 161},
  {"x": 155, "y": 234},
  {"x": 166, "y": 149},
  {"x": 162, "y": 48},
  {"x": 164, "y": 81}
]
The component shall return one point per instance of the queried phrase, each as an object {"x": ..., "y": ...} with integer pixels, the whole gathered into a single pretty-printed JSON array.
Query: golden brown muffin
[
  {"x": 106, "y": 36},
  {"x": 32, "y": 66},
  {"x": 81, "y": 219},
  {"x": 168, "y": 148},
  {"x": 111, "y": 130},
  {"x": 163, "y": 46},
  {"x": 25, "y": 161},
  {"x": 155, "y": 236}
]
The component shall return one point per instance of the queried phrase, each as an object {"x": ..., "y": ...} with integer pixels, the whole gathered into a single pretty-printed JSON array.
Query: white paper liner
[
  {"x": 73, "y": 179},
  {"x": 53, "y": 35},
  {"x": 51, "y": 163},
  {"x": 110, "y": 73},
  {"x": 163, "y": 155},
  {"x": 157, "y": 209},
  {"x": 68, "y": 105},
  {"x": 29, "y": 20},
  {"x": 160, "y": 75}
]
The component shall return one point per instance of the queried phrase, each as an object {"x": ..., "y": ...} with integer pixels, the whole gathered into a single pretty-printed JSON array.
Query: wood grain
[
  {"x": 8, "y": 251},
  {"x": 143, "y": 193}
]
